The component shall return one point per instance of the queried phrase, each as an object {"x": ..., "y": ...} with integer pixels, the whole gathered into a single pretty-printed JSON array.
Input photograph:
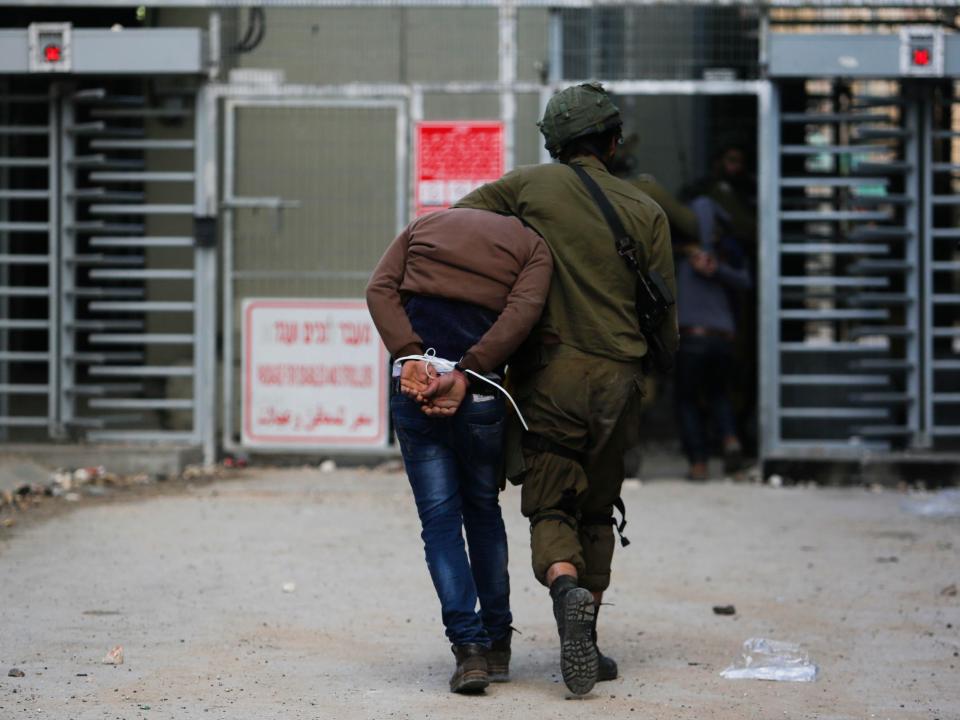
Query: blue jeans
[{"x": 453, "y": 465}]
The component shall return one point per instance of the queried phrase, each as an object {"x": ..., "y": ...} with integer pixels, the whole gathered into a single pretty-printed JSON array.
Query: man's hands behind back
[{"x": 438, "y": 395}]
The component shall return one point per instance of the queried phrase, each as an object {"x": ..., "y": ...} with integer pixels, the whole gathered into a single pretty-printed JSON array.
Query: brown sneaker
[
  {"x": 698, "y": 472},
  {"x": 471, "y": 673},
  {"x": 498, "y": 659}
]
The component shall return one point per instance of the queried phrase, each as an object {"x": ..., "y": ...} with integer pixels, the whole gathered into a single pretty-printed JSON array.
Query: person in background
[
  {"x": 468, "y": 285},
  {"x": 709, "y": 276}
]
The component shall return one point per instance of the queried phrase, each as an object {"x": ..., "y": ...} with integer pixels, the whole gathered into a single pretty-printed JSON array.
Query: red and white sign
[
  {"x": 314, "y": 373},
  {"x": 454, "y": 158}
]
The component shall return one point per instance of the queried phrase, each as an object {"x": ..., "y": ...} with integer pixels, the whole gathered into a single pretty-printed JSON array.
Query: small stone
[
  {"x": 949, "y": 591},
  {"x": 289, "y": 587},
  {"x": 114, "y": 657},
  {"x": 724, "y": 610},
  {"x": 16, "y": 672}
]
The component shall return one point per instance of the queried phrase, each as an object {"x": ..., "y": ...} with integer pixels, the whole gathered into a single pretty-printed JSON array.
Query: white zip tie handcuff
[{"x": 444, "y": 366}]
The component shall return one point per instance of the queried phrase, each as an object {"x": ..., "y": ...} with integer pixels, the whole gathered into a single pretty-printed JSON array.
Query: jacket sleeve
[
  {"x": 384, "y": 303},
  {"x": 733, "y": 278},
  {"x": 500, "y": 196},
  {"x": 521, "y": 312},
  {"x": 661, "y": 260}
]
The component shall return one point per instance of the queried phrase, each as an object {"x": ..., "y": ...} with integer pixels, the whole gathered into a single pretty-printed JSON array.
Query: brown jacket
[{"x": 470, "y": 256}]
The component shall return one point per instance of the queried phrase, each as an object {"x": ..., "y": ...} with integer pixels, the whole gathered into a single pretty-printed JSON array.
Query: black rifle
[{"x": 654, "y": 299}]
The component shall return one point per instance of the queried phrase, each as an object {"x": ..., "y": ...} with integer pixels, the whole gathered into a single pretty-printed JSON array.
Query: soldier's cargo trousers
[{"x": 590, "y": 405}]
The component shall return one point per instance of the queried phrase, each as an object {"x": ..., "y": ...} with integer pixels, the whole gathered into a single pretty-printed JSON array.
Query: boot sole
[
  {"x": 579, "y": 660},
  {"x": 472, "y": 681}
]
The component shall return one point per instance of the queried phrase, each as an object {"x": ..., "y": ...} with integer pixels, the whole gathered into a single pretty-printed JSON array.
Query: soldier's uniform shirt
[
  {"x": 578, "y": 380},
  {"x": 591, "y": 301}
]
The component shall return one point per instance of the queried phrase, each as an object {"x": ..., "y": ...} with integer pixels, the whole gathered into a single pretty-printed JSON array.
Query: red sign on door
[{"x": 454, "y": 158}]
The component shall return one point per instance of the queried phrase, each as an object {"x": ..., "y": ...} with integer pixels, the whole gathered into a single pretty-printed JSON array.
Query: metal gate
[
  {"x": 861, "y": 340},
  {"x": 283, "y": 236},
  {"x": 107, "y": 319},
  {"x": 940, "y": 124}
]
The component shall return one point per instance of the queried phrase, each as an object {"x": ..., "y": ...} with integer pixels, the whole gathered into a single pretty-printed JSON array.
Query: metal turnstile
[
  {"x": 107, "y": 245},
  {"x": 861, "y": 343}
]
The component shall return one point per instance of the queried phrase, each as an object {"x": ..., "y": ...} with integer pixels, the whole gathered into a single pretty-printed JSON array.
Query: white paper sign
[{"x": 314, "y": 373}]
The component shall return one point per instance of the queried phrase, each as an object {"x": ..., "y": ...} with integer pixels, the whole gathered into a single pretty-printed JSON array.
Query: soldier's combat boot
[
  {"x": 471, "y": 673},
  {"x": 498, "y": 659},
  {"x": 607, "y": 666},
  {"x": 574, "y": 611}
]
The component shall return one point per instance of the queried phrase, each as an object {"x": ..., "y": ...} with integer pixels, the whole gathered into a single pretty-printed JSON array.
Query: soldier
[{"x": 578, "y": 379}]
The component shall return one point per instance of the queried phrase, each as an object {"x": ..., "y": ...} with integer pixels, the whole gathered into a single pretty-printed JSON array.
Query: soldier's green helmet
[{"x": 577, "y": 111}]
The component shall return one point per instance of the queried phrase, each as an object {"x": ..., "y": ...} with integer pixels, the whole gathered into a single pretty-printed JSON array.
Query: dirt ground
[{"x": 192, "y": 585}]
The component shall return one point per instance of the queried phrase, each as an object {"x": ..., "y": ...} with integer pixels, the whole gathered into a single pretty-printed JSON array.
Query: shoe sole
[
  {"x": 472, "y": 681},
  {"x": 579, "y": 660}
]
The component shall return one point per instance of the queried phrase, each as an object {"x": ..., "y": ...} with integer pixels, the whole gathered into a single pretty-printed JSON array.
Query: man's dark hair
[{"x": 596, "y": 144}]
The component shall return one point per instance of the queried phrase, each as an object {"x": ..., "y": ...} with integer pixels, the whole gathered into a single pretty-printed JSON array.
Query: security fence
[{"x": 315, "y": 110}]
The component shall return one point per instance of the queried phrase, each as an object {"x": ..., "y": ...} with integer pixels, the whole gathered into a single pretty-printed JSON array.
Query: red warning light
[
  {"x": 52, "y": 53},
  {"x": 921, "y": 57}
]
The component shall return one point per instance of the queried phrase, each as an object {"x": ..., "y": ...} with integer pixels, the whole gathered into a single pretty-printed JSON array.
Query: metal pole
[
  {"x": 416, "y": 117},
  {"x": 508, "y": 76},
  {"x": 55, "y": 428},
  {"x": 227, "y": 212},
  {"x": 402, "y": 166},
  {"x": 923, "y": 319},
  {"x": 214, "y": 45},
  {"x": 65, "y": 252},
  {"x": 768, "y": 152},
  {"x": 554, "y": 67},
  {"x": 6, "y": 118},
  {"x": 205, "y": 280},
  {"x": 911, "y": 254}
]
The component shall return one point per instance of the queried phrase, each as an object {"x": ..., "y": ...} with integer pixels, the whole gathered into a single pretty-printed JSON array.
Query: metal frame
[
  {"x": 927, "y": 252},
  {"x": 912, "y": 254},
  {"x": 919, "y": 331},
  {"x": 285, "y": 97},
  {"x": 54, "y": 182},
  {"x": 482, "y": 3},
  {"x": 933, "y": 234},
  {"x": 768, "y": 203},
  {"x": 407, "y": 99},
  {"x": 47, "y": 105},
  {"x": 205, "y": 277},
  {"x": 65, "y": 251},
  {"x": 61, "y": 262}
]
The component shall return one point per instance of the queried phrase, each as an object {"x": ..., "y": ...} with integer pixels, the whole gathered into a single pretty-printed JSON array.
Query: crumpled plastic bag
[
  {"x": 764, "y": 659},
  {"x": 943, "y": 504}
]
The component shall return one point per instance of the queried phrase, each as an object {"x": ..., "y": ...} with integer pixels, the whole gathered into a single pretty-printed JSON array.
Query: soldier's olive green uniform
[{"x": 577, "y": 381}]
